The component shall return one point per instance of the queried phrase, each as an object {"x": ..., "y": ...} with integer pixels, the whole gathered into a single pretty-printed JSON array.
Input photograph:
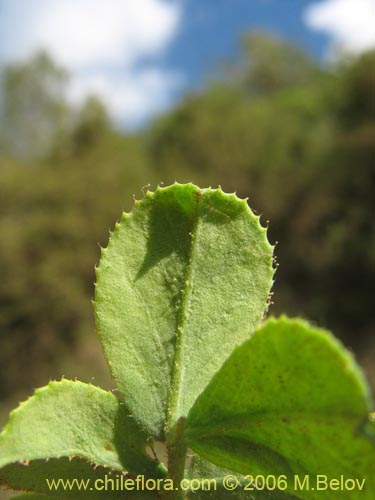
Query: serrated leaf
[
  {"x": 288, "y": 401},
  {"x": 38, "y": 474},
  {"x": 185, "y": 278},
  {"x": 67, "y": 419},
  {"x": 64, "y": 478}
]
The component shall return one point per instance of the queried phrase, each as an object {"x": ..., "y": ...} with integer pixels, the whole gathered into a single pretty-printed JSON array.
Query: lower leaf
[
  {"x": 63, "y": 478},
  {"x": 104, "y": 496},
  {"x": 290, "y": 401},
  {"x": 70, "y": 419},
  {"x": 211, "y": 482},
  {"x": 34, "y": 496}
]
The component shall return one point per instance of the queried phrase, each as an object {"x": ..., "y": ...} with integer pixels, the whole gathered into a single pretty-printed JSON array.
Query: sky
[{"x": 140, "y": 56}]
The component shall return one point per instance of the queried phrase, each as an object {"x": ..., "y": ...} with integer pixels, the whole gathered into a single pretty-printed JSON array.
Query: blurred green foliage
[
  {"x": 296, "y": 137},
  {"x": 33, "y": 106}
]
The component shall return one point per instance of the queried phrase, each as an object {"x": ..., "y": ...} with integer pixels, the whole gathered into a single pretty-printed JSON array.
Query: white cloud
[
  {"x": 131, "y": 98},
  {"x": 350, "y": 23},
  {"x": 103, "y": 43}
]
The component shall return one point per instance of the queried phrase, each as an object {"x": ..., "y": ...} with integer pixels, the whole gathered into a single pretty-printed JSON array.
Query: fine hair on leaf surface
[{"x": 181, "y": 294}]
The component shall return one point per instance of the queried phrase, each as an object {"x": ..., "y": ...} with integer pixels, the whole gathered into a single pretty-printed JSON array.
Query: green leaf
[
  {"x": 32, "y": 496},
  {"x": 212, "y": 485},
  {"x": 288, "y": 401},
  {"x": 105, "y": 495},
  {"x": 34, "y": 476},
  {"x": 67, "y": 419},
  {"x": 185, "y": 278},
  {"x": 63, "y": 478},
  {"x": 239, "y": 494}
]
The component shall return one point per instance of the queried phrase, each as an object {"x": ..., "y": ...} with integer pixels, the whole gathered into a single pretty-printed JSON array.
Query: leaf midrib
[{"x": 177, "y": 370}]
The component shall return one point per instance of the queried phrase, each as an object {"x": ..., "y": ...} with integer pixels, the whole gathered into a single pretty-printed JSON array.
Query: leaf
[
  {"x": 185, "y": 278},
  {"x": 239, "y": 494},
  {"x": 288, "y": 401},
  {"x": 34, "y": 476},
  {"x": 32, "y": 496},
  {"x": 105, "y": 495},
  {"x": 65, "y": 478},
  {"x": 67, "y": 419},
  {"x": 200, "y": 470}
]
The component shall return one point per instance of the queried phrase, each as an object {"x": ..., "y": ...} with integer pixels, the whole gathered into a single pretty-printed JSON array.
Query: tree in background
[
  {"x": 297, "y": 138},
  {"x": 65, "y": 174},
  {"x": 34, "y": 107}
]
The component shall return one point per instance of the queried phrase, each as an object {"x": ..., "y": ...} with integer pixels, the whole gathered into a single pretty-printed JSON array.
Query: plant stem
[{"x": 177, "y": 449}]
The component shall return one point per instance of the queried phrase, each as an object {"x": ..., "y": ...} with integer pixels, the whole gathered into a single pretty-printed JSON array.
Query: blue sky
[
  {"x": 212, "y": 28},
  {"x": 141, "y": 55}
]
